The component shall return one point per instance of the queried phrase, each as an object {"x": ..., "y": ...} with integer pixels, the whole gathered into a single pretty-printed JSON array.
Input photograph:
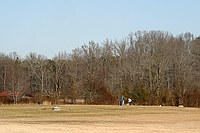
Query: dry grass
[{"x": 98, "y": 119}]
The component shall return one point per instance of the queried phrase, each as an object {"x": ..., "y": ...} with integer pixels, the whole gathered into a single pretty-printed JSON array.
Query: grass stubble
[{"x": 98, "y": 118}]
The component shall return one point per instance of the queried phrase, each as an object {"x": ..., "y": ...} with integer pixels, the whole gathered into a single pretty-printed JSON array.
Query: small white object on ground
[{"x": 56, "y": 108}]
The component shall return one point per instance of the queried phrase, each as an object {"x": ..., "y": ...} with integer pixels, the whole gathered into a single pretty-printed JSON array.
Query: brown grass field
[{"x": 98, "y": 119}]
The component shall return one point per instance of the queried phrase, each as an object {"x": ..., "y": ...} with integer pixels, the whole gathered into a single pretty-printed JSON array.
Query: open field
[{"x": 98, "y": 119}]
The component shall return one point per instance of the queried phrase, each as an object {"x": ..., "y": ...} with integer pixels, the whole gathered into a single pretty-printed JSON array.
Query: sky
[{"x": 48, "y": 27}]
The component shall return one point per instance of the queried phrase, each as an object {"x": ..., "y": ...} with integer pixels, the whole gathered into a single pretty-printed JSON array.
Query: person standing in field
[
  {"x": 121, "y": 101},
  {"x": 129, "y": 101}
]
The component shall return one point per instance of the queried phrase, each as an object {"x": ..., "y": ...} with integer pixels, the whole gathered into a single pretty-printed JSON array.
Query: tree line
[{"x": 151, "y": 67}]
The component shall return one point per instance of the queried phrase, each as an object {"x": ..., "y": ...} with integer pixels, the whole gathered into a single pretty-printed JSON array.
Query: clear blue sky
[{"x": 49, "y": 26}]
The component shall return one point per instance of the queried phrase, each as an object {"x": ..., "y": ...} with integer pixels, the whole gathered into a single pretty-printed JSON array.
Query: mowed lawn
[{"x": 98, "y": 119}]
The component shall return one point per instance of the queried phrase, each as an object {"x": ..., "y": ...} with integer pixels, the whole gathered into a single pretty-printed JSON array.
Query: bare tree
[
  {"x": 55, "y": 75},
  {"x": 3, "y": 71},
  {"x": 16, "y": 77},
  {"x": 37, "y": 65}
]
